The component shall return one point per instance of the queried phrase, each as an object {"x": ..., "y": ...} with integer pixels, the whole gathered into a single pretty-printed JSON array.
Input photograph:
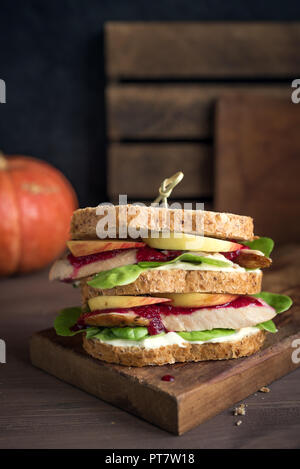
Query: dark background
[{"x": 51, "y": 58}]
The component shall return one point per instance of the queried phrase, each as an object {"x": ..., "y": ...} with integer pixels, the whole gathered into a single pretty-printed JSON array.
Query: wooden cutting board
[{"x": 200, "y": 390}]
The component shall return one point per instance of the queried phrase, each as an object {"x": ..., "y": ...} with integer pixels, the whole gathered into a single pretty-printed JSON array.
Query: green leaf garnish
[
  {"x": 129, "y": 273},
  {"x": 123, "y": 333},
  {"x": 265, "y": 245},
  {"x": 130, "y": 333},
  {"x": 155, "y": 335},
  {"x": 66, "y": 319},
  {"x": 206, "y": 260},
  {"x": 205, "y": 335},
  {"x": 280, "y": 303},
  {"x": 268, "y": 326},
  {"x": 91, "y": 331},
  {"x": 186, "y": 257},
  {"x": 141, "y": 333},
  {"x": 117, "y": 276}
]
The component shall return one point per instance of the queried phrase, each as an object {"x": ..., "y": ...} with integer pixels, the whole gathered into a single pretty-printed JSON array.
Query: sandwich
[{"x": 160, "y": 286}]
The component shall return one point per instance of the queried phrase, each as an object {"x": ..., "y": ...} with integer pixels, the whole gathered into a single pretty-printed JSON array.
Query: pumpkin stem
[{"x": 3, "y": 161}]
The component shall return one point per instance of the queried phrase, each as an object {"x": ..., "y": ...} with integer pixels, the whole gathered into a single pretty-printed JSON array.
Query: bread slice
[
  {"x": 136, "y": 356},
  {"x": 200, "y": 222},
  {"x": 183, "y": 281}
]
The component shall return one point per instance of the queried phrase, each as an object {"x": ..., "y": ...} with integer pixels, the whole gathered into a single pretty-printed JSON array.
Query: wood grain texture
[
  {"x": 200, "y": 390},
  {"x": 198, "y": 50},
  {"x": 138, "y": 169},
  {"x": 167, "y": 111},
  {"x": 258, "y": 163},
  {"x": 38, "y": 411}
]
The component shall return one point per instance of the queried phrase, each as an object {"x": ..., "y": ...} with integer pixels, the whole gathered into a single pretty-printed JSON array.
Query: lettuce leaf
[
  {"x": 140, "y": 333},
  {"x": 186, "y": 257},
  {"x": 129, "y": 273},
  {"x": 206, "y": 335},
  {"x": 262, "y": 244},
  {"x": 123, "y": 333},
  {"x": 280, "y": 303},
  {"x": 268, "y": 326},
  {"x": 91, "y": 331},
  {"x": 117, "y": 276},
  {"x": 66, "y": 319}
]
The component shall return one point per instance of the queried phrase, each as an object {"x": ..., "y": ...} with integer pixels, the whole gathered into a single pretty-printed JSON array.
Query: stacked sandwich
[{"x": 176, "y": 292}]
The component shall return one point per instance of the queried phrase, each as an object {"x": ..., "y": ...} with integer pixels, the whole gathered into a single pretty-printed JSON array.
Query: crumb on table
[
  {"x": 240, "y": 410},
  {"x": 264, "y": 389},
  {"x": 238, "y": 423}
]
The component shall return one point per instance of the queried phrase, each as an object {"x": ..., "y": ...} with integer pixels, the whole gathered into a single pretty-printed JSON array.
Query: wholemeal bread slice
[
  {"x": 182, "y": 281},
  {"x": 137, "y": 356},
  {"x": 200, "y": 222}
]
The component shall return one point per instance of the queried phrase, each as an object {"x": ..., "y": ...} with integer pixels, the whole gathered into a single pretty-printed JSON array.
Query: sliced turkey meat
[
  {"x": 72, "y": 268},
  {"x": 199, "y": 320},
  {"x": 63, "y": 269},
  {"x": 219, "y": 318},
  {"x": 117, "y": 320}
]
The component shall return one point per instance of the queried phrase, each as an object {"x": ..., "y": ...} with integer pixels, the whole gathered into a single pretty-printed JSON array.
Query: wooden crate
[
  {"x": 258, "y": 163},
  {"x": 162, "y": 82}
]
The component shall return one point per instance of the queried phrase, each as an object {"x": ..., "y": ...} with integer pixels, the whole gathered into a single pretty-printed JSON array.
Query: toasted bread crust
[
  {"x": 218, "y": 225},
  {"x": 183, "y": 281},
  {"x": 135, "y": 356}
]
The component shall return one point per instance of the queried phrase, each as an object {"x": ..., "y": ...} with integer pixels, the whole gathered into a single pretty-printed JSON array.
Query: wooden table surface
[{"x": 39, "y": 411}]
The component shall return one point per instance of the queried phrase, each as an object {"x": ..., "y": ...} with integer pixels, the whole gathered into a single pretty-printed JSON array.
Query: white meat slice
[
  {"x": 116, "y": 320},
  {"x": 62, "y": 269},
  {"x": 219, "y": 318},
  {"x": 201, "y": 320}
]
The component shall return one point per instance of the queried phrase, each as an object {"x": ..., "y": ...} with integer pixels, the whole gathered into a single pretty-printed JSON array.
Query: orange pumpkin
[{"x": 36, "y": 204}]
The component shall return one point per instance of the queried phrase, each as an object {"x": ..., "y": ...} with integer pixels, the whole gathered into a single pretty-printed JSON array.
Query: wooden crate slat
[
  {"x": 137, "y": 50},
  {"x": 258, "y": 164},
  {"x": 186, "y": 111},
  {"x": 138, "y": 169}
]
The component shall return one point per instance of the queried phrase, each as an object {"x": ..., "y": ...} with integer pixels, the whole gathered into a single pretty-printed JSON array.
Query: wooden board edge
[
  {"x": 43, "y": 355},
  {"x": 273, "y": 363},
  {"x": 174, "y": 414}
]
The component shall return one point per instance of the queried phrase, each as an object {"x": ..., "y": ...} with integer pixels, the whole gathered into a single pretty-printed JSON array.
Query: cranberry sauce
[
  {"x": 150, "y": 254},
  {"x": 232, "y": 255},
  {"x": 80, "y": 261},
  {"x": 156, "y": 326},
  {"x": 151, "y": 312},
  {"x": 142, "y": 254},
  {"x": 167, "y": 378},
  {"x": 154, "y": 312},
  {"x": 79, "y": 326}
]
